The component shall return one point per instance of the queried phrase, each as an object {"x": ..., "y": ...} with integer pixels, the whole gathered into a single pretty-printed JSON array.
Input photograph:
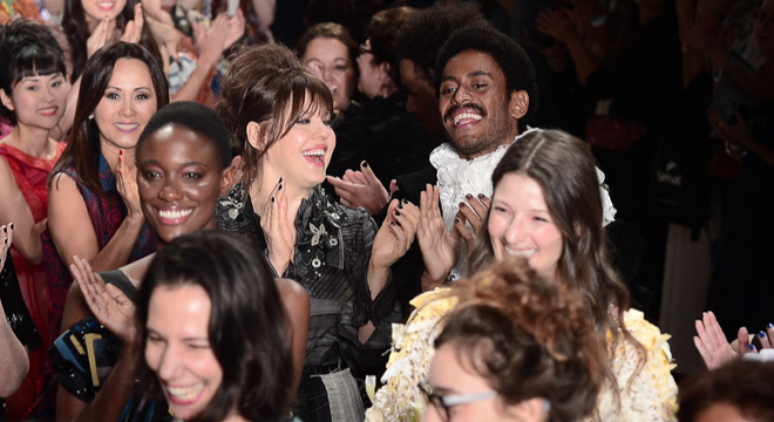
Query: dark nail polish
[
  {"x": 397, "y": 213},
  {"x": 462, "y": 204},
  {"x": 481, "y": 196},
  {"x": 12, "y": 226},
  {"x": 457, "y": 220},
  {"x": 762, "y": 334},
  {"x": 279, "y": 188},
  {"x": 365, "y": 163},
  {"x": 400, "y": 206},
  {"x": 404, "y": 201},
  {"x": 469, "y": 196},
  {"x": 771, "y": 325},
  {"x": 752, "y": 347},
  {"x": 398, "y": 223},
  {"x": 280, "y": 180},
  {"x": 6, "y": 240},
  {"x": 272, "y": 199},
  {"x": 392, "y": 224},
  {"x": 5, "y": 229}
]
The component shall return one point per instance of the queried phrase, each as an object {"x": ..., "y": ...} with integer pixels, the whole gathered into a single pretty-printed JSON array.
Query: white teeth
[
  {"x": 525, "y": 253},
  {"x": 47, "y": 110},
  {"x": 461, "y": 116},
  {"x": 174, "y": 214},
  {"x": 314, "y": 152},
  {"x": 127, "y": 126},
  {"x": 185, "y": 393}
]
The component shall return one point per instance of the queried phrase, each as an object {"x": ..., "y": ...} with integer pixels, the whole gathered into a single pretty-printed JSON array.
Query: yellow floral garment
[{"x": 650, "y": 396}]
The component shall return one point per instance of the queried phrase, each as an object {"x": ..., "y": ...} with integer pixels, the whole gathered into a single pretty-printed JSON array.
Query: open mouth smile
[{"x": 316, "y": 155}]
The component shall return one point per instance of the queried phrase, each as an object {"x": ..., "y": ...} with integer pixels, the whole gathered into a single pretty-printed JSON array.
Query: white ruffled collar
[{"x": 458, "y": 177}]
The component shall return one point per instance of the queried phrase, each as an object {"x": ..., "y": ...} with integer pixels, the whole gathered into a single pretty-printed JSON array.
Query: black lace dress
[{"x": 333, "y": 249}]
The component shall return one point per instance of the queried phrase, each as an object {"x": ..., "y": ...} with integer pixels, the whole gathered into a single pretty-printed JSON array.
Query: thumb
[{"x": 393, "y": 187}]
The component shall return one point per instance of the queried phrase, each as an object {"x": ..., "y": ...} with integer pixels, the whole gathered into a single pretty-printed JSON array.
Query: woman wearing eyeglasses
[{"x": 515, "y": 348}]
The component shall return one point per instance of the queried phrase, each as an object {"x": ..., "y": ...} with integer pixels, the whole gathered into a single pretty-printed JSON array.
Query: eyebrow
[
  {"x": 120, "y": 89},
  {"x": 190, "y": 163},
  {"x": 469, "y": 75}
]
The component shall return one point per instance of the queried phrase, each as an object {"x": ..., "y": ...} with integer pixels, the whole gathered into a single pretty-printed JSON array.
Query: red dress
[{"x": 31, "y": 176}]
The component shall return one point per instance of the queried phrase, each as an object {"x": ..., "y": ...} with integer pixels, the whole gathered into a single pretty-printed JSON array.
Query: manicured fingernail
[
  {"x": 752, "y": 347},
  {"x": 400, "y": 206},
  {"x": 280, "y": 180},
  {"x": 6, "y": 240},
  {"x": 279, "y": 188},
  {"x": 404, "y": 200},
  {"x": 462, "y": 204},
  {"x": 762, "y": 334},
  {"x": 770, "y": 325},
  {"x": 5, "y": 229},
  {"x": 469, "y": 196},
  {"x": 398, "y": 223},
  {"x": 12, "y": 224},
  {"x": 392, "y": 224},
  {"x": 364, "y": 163},
  {"x": 481, "y": 195},
  {"x": 397, "y": 213},
  {"x": 272, "y": 199},
  {"x": 457, "y": 220},
  {"x": 120, "y": 152}
]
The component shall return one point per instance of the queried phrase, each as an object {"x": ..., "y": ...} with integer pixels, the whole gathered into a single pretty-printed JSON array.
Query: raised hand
[
  {"x": 108, "y": 303},
  {"x": 558, "y": 24},
  {"x": 133, "y": 30},
  {"x": 6, "y": 239},
  {"x": 362, "y": 189},
  {"x": 126, "y": 184},
  {"x": 472, "y": 211},
  {"x": 161, "y": 26},
  {"x": 711, "y": 342},
  {"x": 100, "y": 37},
  {"x": 396, "y": 234},
  {"x": 439, "y": 246},
  {"x": 214, "y": 40},
  {"x": 280, "y": 233}
]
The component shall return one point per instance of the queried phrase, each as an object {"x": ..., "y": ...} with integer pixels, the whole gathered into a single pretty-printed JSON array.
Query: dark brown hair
[
  {"x": 268, "y": 85},
  {"x": 528, "y": 338},
  {"x": 77, "y": 31},
  {"x": 383, "y": 34},
  {"x": 83, "y": 143},
  {"x": 329, "y": 30},
  {"x": 564, "y": 168},
  {"x": 745, "y": 385},
  {"x": 247, "y": 326}
]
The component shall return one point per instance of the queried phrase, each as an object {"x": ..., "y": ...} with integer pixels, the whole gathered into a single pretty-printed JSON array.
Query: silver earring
[{"x": 91, "y": 117}]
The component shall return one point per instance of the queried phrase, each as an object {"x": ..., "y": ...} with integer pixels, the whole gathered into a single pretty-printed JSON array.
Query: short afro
[
  {"x": 197, "y": 118},
  {"x": 513, "y": 60},
  {"x": 425, "y": 31}
]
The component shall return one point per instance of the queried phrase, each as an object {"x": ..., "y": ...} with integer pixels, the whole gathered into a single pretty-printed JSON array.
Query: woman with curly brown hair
[{"x": 498, "y": 362}]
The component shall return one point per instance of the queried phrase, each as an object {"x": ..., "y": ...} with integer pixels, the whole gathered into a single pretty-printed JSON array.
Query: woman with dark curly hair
[
  {"x": 515, "y": 348},
  {"x": 213, "y": 331}
]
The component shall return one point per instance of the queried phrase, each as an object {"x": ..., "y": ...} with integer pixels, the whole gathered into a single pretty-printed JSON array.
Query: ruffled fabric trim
[
  {"x": 648, "y": 395},
  {"x": 400, "y": 400}
]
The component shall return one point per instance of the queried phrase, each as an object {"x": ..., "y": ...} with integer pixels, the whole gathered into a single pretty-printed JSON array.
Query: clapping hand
[
  {"x": 439, "y": 246},
  {"x": 280, "y": 232},
  {"x": 108, "y": 303},
  {"x": 473, "y": 211},
  {"x": 6, "y": 239},
  {"x": 126, "y": 184},
  {"x": 362, "y": 189},
  {"x": 396, "y": 234}
]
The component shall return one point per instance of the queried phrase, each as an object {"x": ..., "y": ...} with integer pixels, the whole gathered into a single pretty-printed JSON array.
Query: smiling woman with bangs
[{"x": 279, "y": 113}]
